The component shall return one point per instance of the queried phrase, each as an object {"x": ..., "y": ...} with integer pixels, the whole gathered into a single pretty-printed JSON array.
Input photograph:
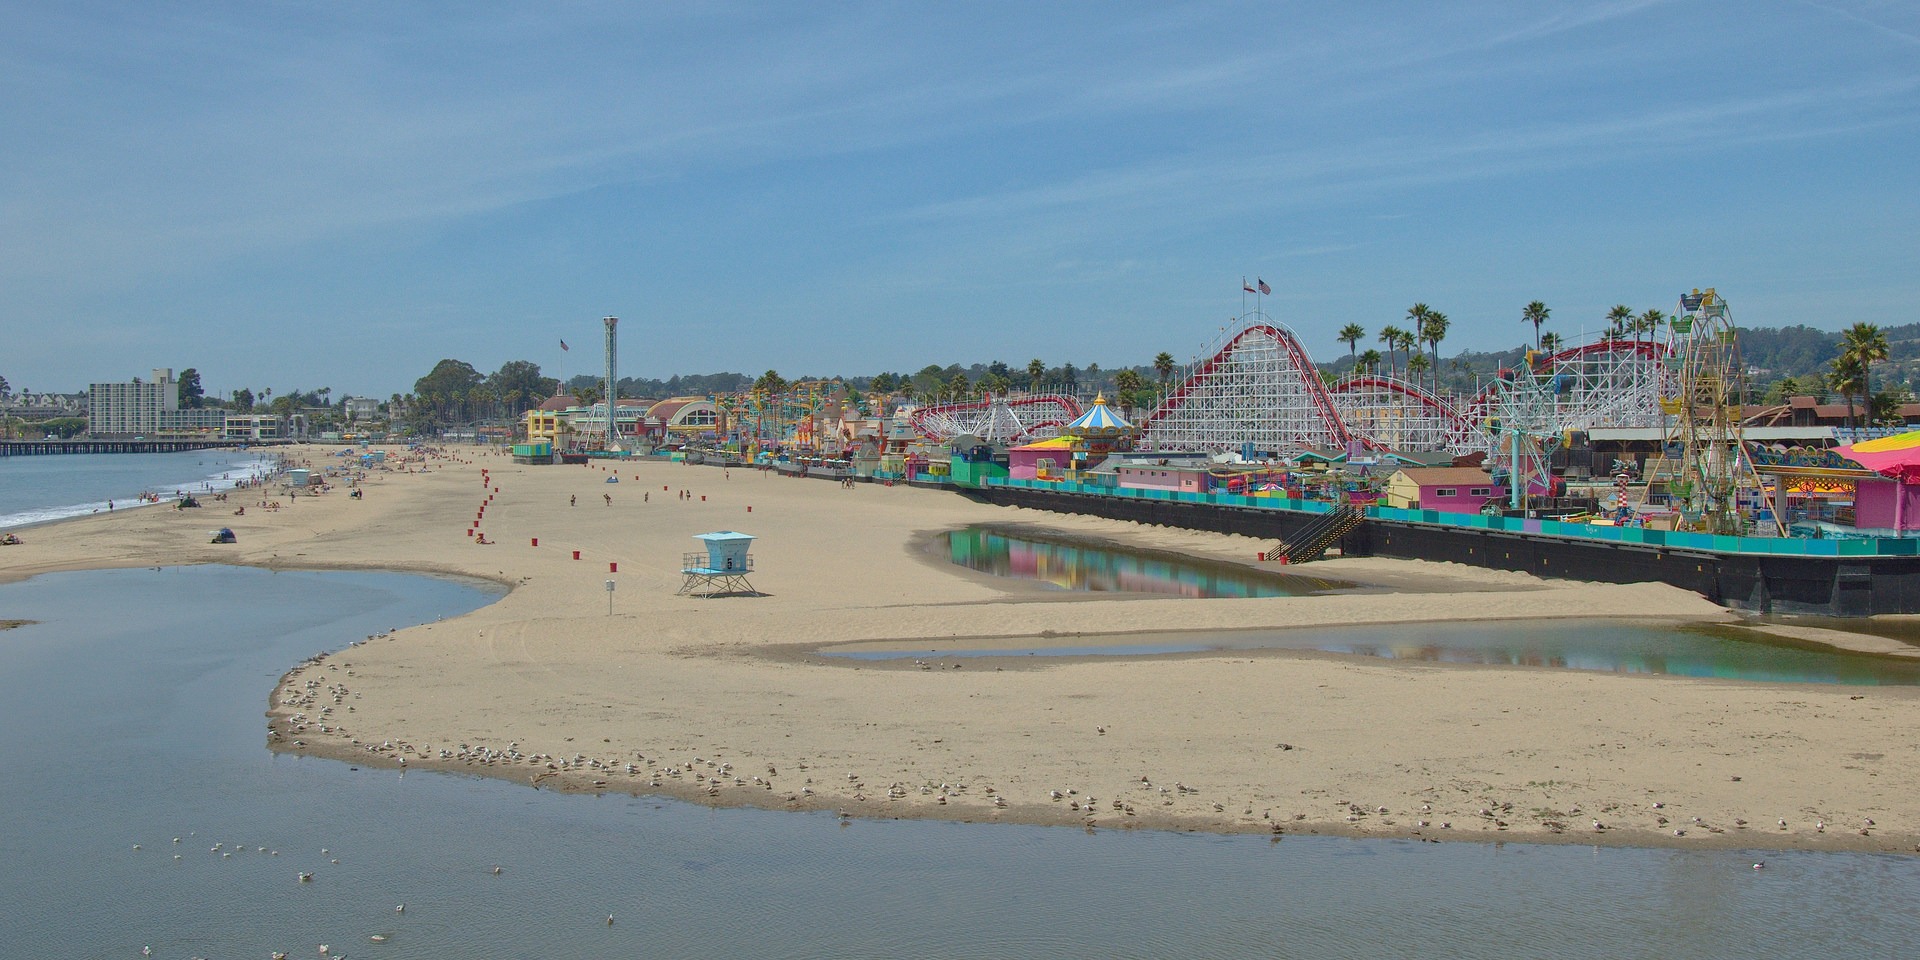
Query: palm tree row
[{"x": 1429, "y": 327}]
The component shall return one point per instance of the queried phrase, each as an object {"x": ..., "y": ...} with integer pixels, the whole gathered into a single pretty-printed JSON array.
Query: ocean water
[
  {"x": 133, "y": 714},
  {"x": 40, "y": 488}
]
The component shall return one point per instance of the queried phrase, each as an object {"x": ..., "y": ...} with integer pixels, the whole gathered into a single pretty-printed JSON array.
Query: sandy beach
[{"x": 727, "y": 700}]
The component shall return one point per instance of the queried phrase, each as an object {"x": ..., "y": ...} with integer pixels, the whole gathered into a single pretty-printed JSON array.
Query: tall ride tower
[{"x": 612, "y": 391}]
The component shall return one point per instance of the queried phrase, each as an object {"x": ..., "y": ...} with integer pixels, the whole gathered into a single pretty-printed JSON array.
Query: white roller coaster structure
[
  {"x": 1256, "y": 385},
  {"x": 998, "y": 419}
]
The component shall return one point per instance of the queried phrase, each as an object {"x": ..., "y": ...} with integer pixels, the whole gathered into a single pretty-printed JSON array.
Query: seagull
[
  {"x": 609, "y": 919},
  {"x": 496, "y": 869},
  {"x": 402, "y": 908},
  {"x": 305, "y": 877}
]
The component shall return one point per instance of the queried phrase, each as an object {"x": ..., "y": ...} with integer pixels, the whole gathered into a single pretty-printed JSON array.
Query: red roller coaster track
[{"x": 1303, "y": 368}]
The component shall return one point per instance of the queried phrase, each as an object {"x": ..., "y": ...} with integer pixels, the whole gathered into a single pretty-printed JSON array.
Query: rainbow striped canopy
[{"x": 1897, "y": 456}]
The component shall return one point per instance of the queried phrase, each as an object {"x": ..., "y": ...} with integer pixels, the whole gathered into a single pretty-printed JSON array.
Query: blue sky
[{"x": 340, "y": 194}]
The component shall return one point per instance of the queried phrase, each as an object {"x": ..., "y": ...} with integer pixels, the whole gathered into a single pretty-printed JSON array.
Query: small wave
[{"x": 228, "y": 477}]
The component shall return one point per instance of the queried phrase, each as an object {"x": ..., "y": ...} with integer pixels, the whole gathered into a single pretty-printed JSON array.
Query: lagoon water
[
  {"x": 1610, "y": 646},
  {"x": 1090, "y": 566},
  {"x": 132, "y": 713},
  {"x": 35, "y": 489}
]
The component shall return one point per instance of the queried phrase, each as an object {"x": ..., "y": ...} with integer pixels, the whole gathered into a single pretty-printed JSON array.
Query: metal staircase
[{"x": 1312, "y": 541}]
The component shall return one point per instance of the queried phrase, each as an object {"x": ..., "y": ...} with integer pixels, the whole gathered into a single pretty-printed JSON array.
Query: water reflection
[
  {"x": 1608, "y": 646},
  {"x": 1101, "y": 567}
]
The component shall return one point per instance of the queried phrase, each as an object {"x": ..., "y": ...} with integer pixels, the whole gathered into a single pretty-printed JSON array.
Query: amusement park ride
[{"x": 1256, "y": 388}]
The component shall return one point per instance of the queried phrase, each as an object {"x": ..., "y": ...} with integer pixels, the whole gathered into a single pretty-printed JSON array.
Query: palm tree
[
  {"x": 1535, "y": 313},
  {"x": 1649, "y": 324},
  {"x": 1406, "y": 345},
  {"x": 1036, "y": 372},
  {"x": 1417, "y": 319},
  {"x": 1783, "y": 390},
  {"x": 1416, "y": 365},
  {"x": 1550, "y": 343},
  {"x": 1127, "y": 383},
  {"x": 1390, "y": 338},
  {"x": 1861, "y": 346},
  {"x": 1369, "y": 361},
  {"x": 1617, "y": 320},
  {"x": 1163, "y": 368},
  {"x": 1433, "y": 329},
  {"x": 1849, "y": 378},
  {"x": 1351, "y": 335},
  {"x": 958, "y": 387}
]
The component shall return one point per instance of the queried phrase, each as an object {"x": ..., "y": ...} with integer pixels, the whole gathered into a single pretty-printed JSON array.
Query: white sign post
[{"x": 609, "y": 598}]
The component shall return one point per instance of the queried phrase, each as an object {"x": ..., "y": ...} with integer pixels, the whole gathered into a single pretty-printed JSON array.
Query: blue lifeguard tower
[{"x": 720, "y": 571}]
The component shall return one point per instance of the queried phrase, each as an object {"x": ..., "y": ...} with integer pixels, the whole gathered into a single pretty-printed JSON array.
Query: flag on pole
[
  {"x": 563, "y": 345},
  {"x": 1264, "y": 289},
  {"x": 1243, "y": 285}
]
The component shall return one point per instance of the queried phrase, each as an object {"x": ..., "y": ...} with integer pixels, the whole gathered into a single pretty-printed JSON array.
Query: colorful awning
[{"x": 1897, "y": 456}]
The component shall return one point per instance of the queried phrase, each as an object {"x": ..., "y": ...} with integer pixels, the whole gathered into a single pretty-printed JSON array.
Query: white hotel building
[{"x": 148, "y": 409}]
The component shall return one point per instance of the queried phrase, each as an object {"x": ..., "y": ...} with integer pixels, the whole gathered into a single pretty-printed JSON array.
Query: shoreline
[
  {"x": 1313, "y": 744},
  {"x": 214, "y": 486}
]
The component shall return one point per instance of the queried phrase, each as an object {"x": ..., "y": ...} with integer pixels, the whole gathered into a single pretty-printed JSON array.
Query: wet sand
[{"x": 725, "y": 700}]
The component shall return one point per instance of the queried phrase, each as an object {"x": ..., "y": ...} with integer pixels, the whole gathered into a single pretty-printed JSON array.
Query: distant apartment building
[
  {"x": 362, "y": 408},
  {"x": 254, "y": 426},
  {"x": 148, "y": 408}
]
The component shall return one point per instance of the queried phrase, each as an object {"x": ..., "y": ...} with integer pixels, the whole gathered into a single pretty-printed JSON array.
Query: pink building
[
  {"x": 1886, "y": 505},
  {"x": 1150, "y": 476},
  {"x": 1452, "y": 489},
  {"x": 1061, "y": 453}
]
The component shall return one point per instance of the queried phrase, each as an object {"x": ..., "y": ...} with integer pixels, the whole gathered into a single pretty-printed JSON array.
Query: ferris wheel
[{"x": 1706, "y": 411}]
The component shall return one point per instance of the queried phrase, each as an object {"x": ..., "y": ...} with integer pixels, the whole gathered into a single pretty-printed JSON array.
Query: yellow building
[{"x": 548, "y": 421}]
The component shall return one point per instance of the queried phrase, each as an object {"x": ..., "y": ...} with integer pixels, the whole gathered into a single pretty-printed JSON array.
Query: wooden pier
[{"x": 27, "y": 448}]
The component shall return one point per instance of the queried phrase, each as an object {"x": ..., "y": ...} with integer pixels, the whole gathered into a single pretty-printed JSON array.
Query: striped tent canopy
[
  {"x": 1897, "y": 456},
  {"x": 1098, "y": 421}
]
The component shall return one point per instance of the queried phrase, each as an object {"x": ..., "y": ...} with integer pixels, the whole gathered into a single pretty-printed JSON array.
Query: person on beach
[
  {"x": 571, "y": 500},
  {"x": 609, "y": 498}
]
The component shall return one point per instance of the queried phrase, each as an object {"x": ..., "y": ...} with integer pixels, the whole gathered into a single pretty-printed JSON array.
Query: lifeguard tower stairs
[{"x": 720, "y": 571}]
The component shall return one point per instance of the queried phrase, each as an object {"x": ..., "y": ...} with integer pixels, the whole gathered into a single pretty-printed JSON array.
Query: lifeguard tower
[{"x": 720, "y": 571}]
